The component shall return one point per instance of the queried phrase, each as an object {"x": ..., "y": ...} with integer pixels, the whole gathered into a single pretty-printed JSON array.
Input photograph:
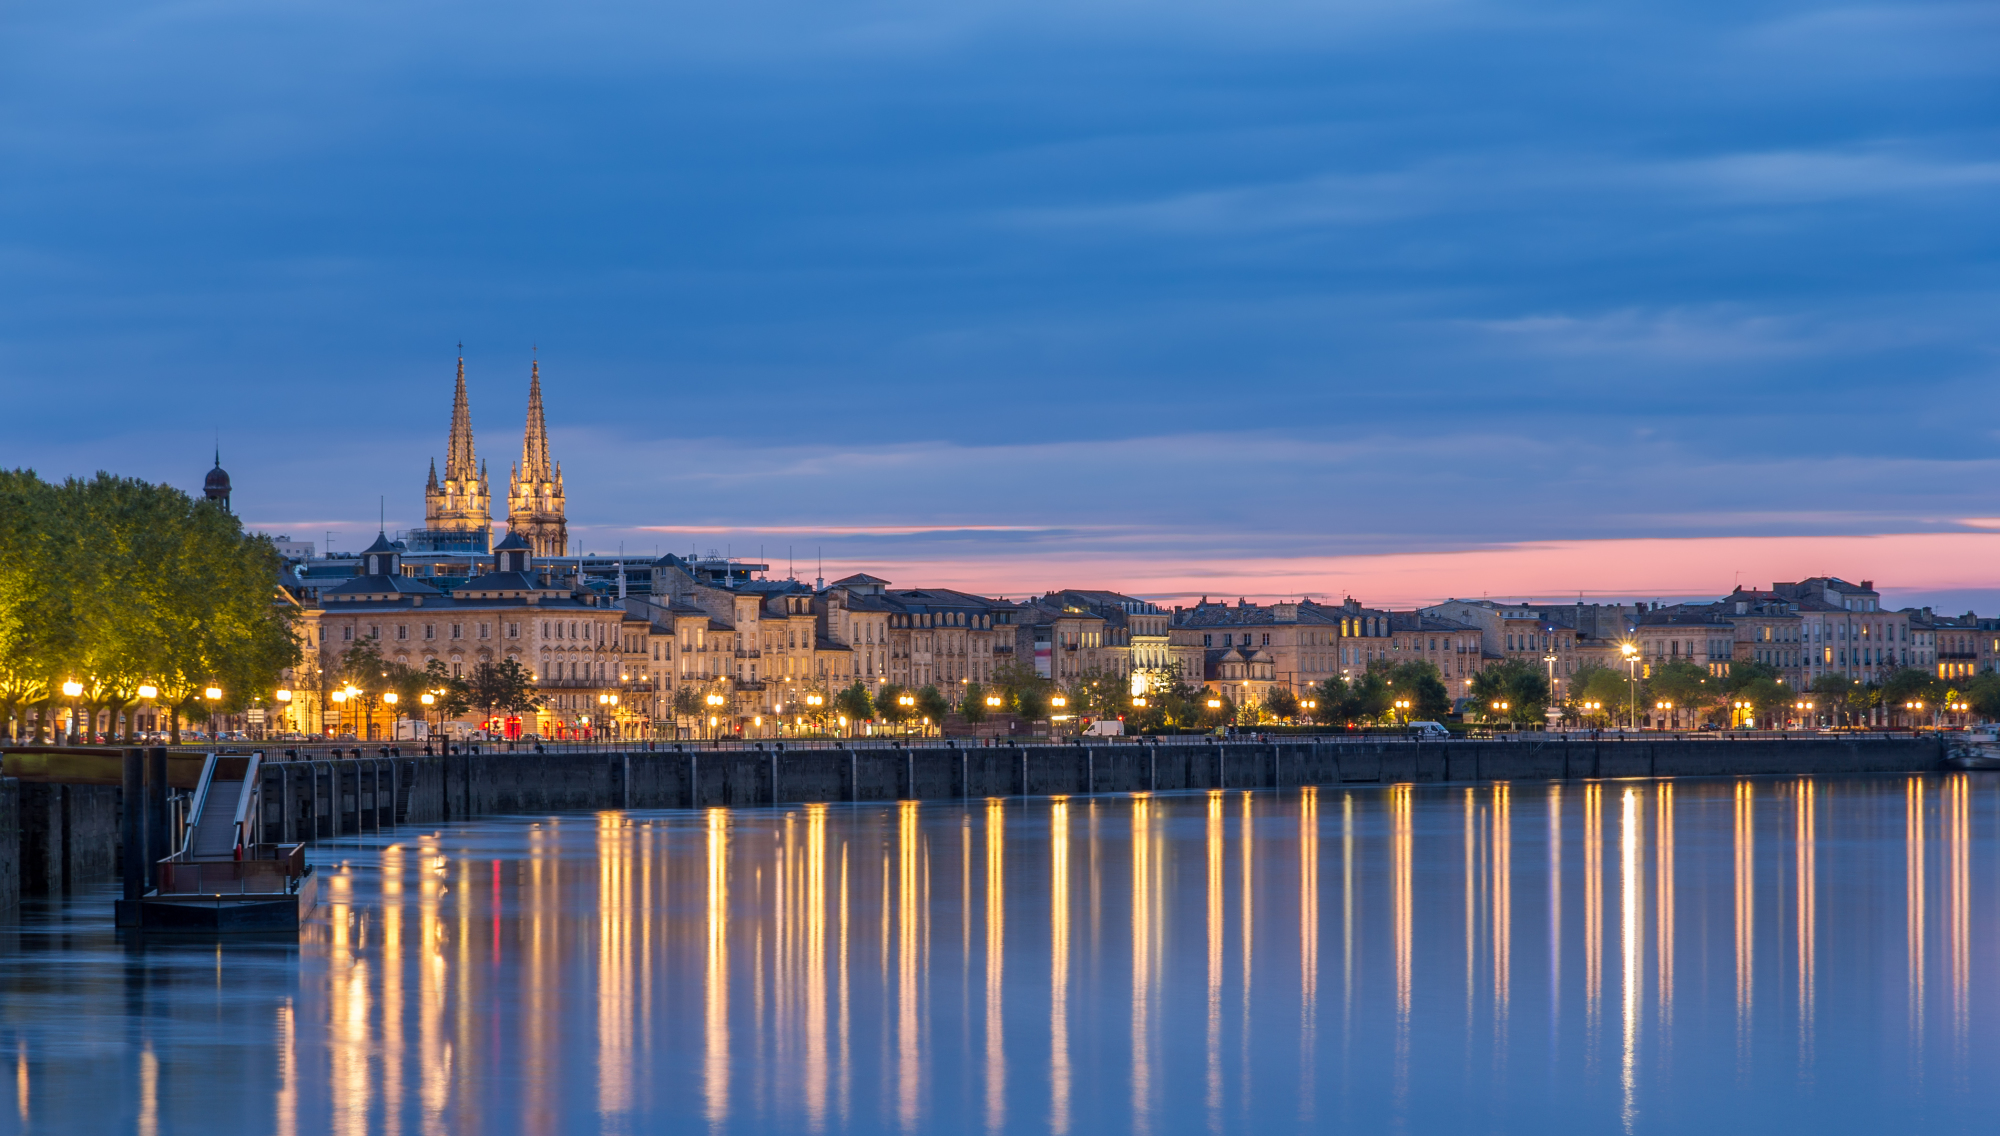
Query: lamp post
[
  {"x": 211, "y": 694},
  {"x": 73, "y": 690},
  {"x": 1668, "y": 707},
  {"x": 908, "y": 703},
  {"x": 714, "y": 704},
  {"x": 1500, "y": 708},
  {"x": 429, "y": 700},
  {"x": 1631, "y": 653},
  {"x": 1806, "y": 708},
  {"x": 1403, "y": 710},
  {"x": 148, "y": 692},
  {"x": 1590, "y": 708}
]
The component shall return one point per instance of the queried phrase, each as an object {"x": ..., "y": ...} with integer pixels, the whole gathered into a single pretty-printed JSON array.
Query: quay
[{"x": 64, "y": 826}]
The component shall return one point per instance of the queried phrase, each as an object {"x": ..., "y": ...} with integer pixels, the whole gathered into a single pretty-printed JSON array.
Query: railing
[{"x": 266, "y": 869}]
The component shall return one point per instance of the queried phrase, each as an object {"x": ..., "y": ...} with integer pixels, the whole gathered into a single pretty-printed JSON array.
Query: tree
[
  {"x": 1513, "y": 690},
  {"x": 972, "y": 706},
  {"x": 687, "y": 703},
  {"x": 1684, "y": 684},
  {"x": 889, "y": 704},
  {"x": 1610, "y": 689},
  {"x": 855, "y": 704},
  {"x": 1912, "y": 685},
  {"x": 932, "y": 705},
  {"x": 1281, "y": 703},
  {"x": 1419, "y": 683},
  {"x": 451, "y": 694},
  {"x": 1767, "y": 698},
  {"x": 1023, "y": 689},
  {"x": 1983, "y": 692},
  {"x": 365, "y": 676}
]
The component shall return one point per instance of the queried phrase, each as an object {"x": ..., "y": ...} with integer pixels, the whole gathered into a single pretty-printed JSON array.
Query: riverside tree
[{"x": 114, "y": 583}]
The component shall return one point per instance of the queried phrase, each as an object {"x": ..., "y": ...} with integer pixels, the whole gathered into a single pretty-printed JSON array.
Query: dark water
[{"x": 1699, "y": 957}]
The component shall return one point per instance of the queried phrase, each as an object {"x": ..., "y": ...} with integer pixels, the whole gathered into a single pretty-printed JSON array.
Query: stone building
[{"x": 535, "y": 507}]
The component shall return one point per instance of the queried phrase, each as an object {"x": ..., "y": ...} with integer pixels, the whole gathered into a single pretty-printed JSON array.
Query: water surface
[{"x": 1591, "y": 957}]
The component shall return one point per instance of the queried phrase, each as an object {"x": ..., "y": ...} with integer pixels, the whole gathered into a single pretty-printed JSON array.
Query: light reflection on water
[{"x": 1751, "y": 955}]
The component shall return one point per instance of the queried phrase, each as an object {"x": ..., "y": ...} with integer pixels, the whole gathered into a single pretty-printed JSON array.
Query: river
[{"x": 1708, "y": 956}]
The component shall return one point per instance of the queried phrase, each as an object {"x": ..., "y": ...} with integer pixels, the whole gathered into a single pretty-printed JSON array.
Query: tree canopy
[{"x": 114, "y": 583}]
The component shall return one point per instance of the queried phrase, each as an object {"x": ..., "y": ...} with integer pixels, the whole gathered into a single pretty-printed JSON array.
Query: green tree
[
  {"x": 855, "y": 704},
  {"x": 932, "y": 706},
  {"x": 1281, "y": 703},
  {"x": 1684, "y": 684},
  {"x": 1513, "y": 690},
  {"x": 1419, "y": 683},
  {"x": 1768, "y": 699},
  {"x": 687, "y": 703},
  {"x": 889, "y": 704},
  {"x": 1605, "y": 695},
  {"x": 365, "y": 676},
  {"x": 972, "y": 706},
  {"x": 451, "y": 694},
  {"x": 1983, "y": 692},
  {"x": 1912, "y": 685}
]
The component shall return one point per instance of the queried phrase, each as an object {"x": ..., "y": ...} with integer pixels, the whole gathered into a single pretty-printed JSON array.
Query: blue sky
[{"x": 1071, "y": 282}]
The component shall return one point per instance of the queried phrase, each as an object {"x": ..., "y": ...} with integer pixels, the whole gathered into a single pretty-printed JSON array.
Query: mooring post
[
  {"x": 133, "y": 832},
  {"x": 156, "y": 812}
]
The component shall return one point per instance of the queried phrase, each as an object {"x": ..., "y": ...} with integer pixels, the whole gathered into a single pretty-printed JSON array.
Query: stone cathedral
[{"x": 458, "y": 506}]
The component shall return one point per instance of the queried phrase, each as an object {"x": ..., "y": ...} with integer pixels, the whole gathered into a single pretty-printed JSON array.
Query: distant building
[
  {"x": 458, "y": 509},
  {"x": 535, "y": 489}
]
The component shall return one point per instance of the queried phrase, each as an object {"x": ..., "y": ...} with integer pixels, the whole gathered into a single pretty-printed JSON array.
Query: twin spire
[{"x": 457, "y": 510}]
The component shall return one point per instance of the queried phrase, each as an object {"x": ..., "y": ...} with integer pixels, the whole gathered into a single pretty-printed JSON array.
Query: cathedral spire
[
  {"x": 535, "y": 441},
  {"x": 458, "y": 459},
  {"x": 535, "y": 491}
]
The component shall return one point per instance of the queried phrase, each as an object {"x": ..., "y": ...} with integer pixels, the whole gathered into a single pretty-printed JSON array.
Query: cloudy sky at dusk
[{"x": 1255, "y": 298}]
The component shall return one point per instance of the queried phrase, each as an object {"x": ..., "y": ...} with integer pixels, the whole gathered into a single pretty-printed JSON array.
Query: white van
[{"x": 1430, "y": 731}]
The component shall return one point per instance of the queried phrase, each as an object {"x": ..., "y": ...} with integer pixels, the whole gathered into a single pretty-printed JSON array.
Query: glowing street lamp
[
  {"x": 1666, "y": 706},
  {"x": 74, "y": 690}
]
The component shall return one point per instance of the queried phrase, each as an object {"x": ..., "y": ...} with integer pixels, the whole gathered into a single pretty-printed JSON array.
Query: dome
[{"x": 215, "y": 486}]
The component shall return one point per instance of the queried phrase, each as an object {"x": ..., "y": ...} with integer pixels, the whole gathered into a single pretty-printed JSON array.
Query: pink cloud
[{"x": 1609, "y": 569}]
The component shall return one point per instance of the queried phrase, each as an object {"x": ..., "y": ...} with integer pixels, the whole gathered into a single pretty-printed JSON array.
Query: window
[
  {"x": 402, "y": 631},
  {"x": 458, "y": 631},
  {"x": 513, "y": 631},
  {"x": 374, "y": 632},
  {"x": 1267, "y": 638},
  {"x": 1207, "y": 641},
  {"x": 347, "y": 633},
  {"x": 484, "y": 630}
]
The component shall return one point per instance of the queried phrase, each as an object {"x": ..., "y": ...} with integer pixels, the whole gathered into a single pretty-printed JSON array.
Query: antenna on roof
[{"x": 381, "y": 515}]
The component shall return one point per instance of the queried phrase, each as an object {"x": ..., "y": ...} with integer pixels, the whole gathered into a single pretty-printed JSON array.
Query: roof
[
  {"x": 858, "y": 578},
  {"x": 366, "y": 585},
  {"x": 513, "y": 543},
  {"x": 381, "y": 545},
  {"x": 499, "y": 582}
]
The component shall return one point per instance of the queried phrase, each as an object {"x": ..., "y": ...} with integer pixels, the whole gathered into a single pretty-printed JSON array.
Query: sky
[{"x": 1258, "y": 299}]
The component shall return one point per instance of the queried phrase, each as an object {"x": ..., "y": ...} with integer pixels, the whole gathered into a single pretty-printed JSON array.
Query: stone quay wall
[{"x": 56, "y": 839}]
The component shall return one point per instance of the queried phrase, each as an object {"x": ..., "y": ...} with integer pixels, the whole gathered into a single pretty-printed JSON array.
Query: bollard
[
  {"x": 156, "y": 813},
  {"x": 133, "y": 832}
]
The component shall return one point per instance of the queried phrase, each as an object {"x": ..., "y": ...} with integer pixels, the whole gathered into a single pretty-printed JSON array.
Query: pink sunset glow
[{"x": 1597, "y": 569}]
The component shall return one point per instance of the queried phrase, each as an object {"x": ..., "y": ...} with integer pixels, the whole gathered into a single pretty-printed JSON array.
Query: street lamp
[
  {"x": 714, "y": 701},
  {"x": 1403, "y": 708},
  {"x": 1500, "y": 708},
  {"x": 1631, "y": 653},
  {"x": 1667, "y": 706},
  {"x": 211, "y": 694},
  {"x": 148, "y": 692},
  {"x": 73, "y": 690}
]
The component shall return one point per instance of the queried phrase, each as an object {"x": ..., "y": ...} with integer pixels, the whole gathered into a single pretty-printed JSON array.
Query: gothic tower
[
  {"x": 535, "y": 492},
  {"x": 458, "y": 510}
]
